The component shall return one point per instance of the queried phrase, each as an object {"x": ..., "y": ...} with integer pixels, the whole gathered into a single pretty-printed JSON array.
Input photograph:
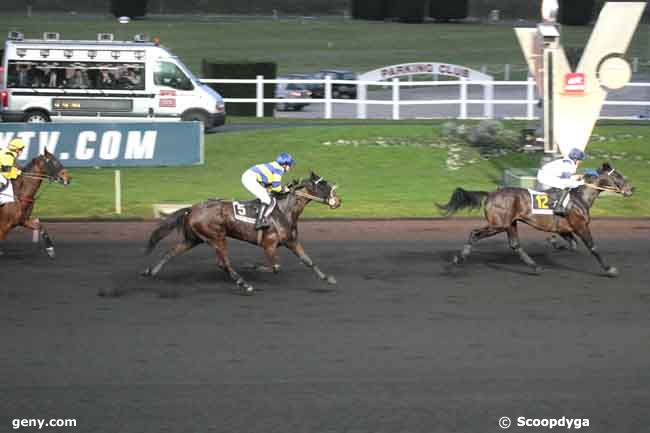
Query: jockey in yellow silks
[
  {"x": 8, "y": 169},
  {"x": 261, "y": 179}
]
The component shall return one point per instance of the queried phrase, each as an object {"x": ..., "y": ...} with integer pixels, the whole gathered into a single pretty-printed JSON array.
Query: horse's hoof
[
  {"x": 331, "y": 279},
  {"x": 247, "y": 290},
  {"x": 146, "y": 273},
  {"x": 538, "y": 270},
  {"x": 457, "y": 260},
  {"x": 612, "y": 272},
  {"x": 50, "y": 252}
]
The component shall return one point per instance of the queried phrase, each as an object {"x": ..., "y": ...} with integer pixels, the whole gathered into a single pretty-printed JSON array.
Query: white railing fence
[{"x": 528, "y": 101}]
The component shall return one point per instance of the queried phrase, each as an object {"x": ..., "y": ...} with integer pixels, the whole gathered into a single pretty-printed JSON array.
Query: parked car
[
  {"x": 290, "y": 91},
  {"x": 343, "y": 91},
  {"x": 300, "y": 76}
]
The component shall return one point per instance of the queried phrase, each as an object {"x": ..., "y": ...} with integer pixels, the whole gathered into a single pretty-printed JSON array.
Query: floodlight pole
[{"x": 550, "y": 37}]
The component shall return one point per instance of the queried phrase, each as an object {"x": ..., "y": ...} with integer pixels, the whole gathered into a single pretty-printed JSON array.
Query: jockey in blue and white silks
[
  {"x": 561, "y": 174},
  {"x": 261, "y": 179}
]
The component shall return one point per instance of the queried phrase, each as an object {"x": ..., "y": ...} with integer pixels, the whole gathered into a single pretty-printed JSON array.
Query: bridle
[
  {"x": 615, "y": 189},
  {"x": 50, "y": 167},
  {"x": 330, "y": 201}
]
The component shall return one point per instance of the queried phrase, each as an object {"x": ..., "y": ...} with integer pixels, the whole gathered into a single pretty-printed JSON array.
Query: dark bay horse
[
  {"x": 26, "y": 186},
  {"x": 506, "y": 207},
  {"x": 213, "y": 221}
]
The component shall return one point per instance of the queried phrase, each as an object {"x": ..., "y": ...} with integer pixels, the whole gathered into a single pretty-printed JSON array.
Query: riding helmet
[
  {"x": 16, "y": 144},
  {"x": 285, "y": 159},
  {"x": 577, "y": 154}
]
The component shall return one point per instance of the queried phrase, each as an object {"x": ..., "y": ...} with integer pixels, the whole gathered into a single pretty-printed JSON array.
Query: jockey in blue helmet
[
  {"x": 561, "y": 174},
  {"x": 263, "y": 178}
]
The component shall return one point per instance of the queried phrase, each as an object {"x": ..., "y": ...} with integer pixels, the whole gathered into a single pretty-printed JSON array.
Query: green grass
[
  {"x": 306, "y": 46},
  {"x": 394, "y": 170}
]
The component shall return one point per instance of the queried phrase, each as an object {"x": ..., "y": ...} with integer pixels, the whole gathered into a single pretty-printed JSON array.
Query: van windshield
[{"x": 168, "y": 74}]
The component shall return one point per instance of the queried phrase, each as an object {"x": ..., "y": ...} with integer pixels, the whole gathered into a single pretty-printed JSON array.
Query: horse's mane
[{"x": 31, "y": 163}]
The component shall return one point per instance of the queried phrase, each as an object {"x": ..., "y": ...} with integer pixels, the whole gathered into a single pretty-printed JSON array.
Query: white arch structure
[
  {"x": 393, "y": 72},
  {"x": 420, "y": 68}
]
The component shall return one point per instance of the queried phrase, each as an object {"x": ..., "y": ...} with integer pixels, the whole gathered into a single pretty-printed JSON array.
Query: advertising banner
[{"x": 110, "y": 144}]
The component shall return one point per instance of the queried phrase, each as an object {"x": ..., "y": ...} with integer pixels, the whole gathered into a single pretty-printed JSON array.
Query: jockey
[
  {"x": 561, "y": 174},
  {"x": 8, "y": 169},
  {"x": 264, "y": 178}
]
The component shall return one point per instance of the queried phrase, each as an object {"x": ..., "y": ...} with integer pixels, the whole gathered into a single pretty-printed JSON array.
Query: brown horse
[
  {"x": 18, "y": 213},
  {"x": 214, "y": 220},
  {"x": 506, "y": 207}
]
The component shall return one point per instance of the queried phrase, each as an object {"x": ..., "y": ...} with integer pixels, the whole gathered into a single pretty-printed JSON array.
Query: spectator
[
  {"x": 78, "y": 80},
  {"x": 106, "y": 79},
  {"x": 24, "y": 79}
]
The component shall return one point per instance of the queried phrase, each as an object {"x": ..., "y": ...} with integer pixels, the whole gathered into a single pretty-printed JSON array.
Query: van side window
[
  {"x": 75, "y": 75},
  {"x": 169, "y": 75}
]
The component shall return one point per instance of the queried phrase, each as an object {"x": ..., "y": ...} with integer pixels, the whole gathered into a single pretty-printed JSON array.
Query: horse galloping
[
  {"x": 506, "y": 207},
  {"x": 26, "y": 186},
  {"x": 213, "y": 221}
]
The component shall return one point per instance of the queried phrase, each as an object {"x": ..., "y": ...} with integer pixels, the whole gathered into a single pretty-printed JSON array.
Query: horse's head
[
  {"x": 318, "y": 189},
  {"x": 610, "y": 179},
  {"x": 49, "y": 167}
]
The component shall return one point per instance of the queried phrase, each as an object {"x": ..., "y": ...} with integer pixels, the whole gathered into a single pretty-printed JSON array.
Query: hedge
[
  {"x": 576, "y": 12},
  {"x": 129, "y": 8},
  {"x": 232, "y": 90},
  {"x": 411, "y": 11},
  {"x": 446, "y": 10}
]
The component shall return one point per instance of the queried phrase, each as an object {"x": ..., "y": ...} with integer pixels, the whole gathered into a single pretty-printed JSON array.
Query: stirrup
[{"x": 261, "y": 224}]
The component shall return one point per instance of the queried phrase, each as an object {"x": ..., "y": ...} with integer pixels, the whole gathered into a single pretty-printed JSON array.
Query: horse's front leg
[
  {"x": 513, "y": 239},
  {"x": 585, "y": 234},
  {"x": 297, "y": 248},
  {"x": 35, "y": 224},
  {"x": 271, "y": 253}
]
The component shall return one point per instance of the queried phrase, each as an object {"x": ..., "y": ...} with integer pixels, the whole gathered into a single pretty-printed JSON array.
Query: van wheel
[
  {"x": 36, "y": 116},
  {"x": 196, "y": 116}
]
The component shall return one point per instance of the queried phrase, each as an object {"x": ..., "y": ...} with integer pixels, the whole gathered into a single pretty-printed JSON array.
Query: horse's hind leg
[
  {"x": 475, "y": 236},
  {"x": 174, "y": 251},
  {"x": 220, "y": 246},
  {"x": 569, "y": 237},
  {"x": 513, "y": 239}
]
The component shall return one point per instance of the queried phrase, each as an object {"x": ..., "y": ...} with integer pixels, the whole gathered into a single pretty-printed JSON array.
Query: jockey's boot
[
  {"x": 261, "y": 223},
  {"x": 559, "y": 208}
]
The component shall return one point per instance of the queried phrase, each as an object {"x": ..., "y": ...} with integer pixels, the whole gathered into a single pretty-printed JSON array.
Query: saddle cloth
[
  {"x": 541, "y": 203},
  {"x": 246, "y": 211}
]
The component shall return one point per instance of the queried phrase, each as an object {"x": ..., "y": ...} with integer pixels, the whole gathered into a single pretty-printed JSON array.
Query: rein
[
  {"x": 38, "y": 176},
  {"x": 309, "y": 196},
  {"x": 604, "y": 188}
]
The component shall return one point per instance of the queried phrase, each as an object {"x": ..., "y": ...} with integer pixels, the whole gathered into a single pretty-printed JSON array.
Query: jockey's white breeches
[
  {"x": 6, "y": 194},
  {"x": 249, "y": 180}
]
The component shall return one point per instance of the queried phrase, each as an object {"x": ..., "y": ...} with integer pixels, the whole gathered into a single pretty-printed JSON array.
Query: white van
[{"x": 50, "y": 80}]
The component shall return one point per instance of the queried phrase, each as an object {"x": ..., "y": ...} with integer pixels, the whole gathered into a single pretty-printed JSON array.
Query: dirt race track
[{"x": 402, "y": 344}]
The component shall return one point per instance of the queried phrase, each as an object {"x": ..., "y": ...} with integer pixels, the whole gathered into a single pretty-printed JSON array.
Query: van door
[{"x": 174, "y": 91}]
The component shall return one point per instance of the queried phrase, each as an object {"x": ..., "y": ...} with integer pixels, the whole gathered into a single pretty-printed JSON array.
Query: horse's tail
[
  {"x": 461, "y": 199},
  {"x": 173, "y": 221}
]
